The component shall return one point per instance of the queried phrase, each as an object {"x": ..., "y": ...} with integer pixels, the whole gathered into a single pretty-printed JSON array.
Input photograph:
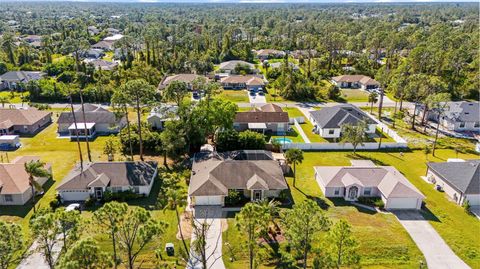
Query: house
[
  {"x": 15, "y": 186},
  {"x": 113, "y": 31},
  {"x": 161, "y": 114},
  {"x": 15, "y": 79},
  {"x": 97, "y": 178},
  {"x": 32, "y": 38},
  {"x": 229, "y": 67},
  {"x": 103, "y": 45},
  {"x": 93, "y": 30},
  {"x": 460, "y": 180},
  {"x": 365, "y": 179},
  {"x": 265, "y": 54},
  {"x": 187, "y": 78},
  {"x": 238, "y": 82},
  {"x": 113, "y": 38},
  {"x": 355, "y": 81},
  {"x": 459, "y": 116},
  {"x": 268, "y": 118},
  {"x": 254, "y": 174},
  {"x": 23, "y": 121},
  {"x": 100, "y": 64},
  {"x": 328, "y": 121},
  {"x": 98, "y": 121},
  {"x": 93, "y": 54}
]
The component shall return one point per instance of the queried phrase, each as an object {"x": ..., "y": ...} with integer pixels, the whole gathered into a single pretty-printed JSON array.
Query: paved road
[
  {"x": 257, "y": 99},
  {"x": 437, "y": 253},
  {"x": 212, "y": 215}
]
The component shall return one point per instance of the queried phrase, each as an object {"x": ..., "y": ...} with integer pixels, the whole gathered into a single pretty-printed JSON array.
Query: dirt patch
[{"x": 186, "y": 224}]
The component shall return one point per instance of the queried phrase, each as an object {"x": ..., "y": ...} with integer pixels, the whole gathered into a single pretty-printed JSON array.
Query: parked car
[
  {"x": 261, "y": 93},
  {"x": 195, "y": 95},
  {"x": 170, "y": 249},
  {"x": 252, "y": 93},
  {"x": 72, "y": 207}
]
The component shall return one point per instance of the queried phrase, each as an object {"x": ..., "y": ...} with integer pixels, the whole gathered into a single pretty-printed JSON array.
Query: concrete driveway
[
  {"x": 475, "y": 211},
  {"x": 437, "y": 253},
  {"x": 257, "y": 99},
  {"x": 212, "y": 215}
]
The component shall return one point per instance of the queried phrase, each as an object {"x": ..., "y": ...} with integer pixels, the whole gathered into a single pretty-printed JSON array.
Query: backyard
[{"x": 383, "y": 241}]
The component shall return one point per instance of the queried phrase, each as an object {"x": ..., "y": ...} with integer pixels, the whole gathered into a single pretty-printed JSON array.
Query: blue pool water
[{"x": 283, "y": 140}]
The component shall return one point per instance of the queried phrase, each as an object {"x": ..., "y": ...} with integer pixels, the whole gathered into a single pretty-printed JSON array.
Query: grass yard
[
  {"x": 307, "y": 128},
  {"x": 12, "y": 97},
  {"x": 354, "y": 95},
  {"x": 236, "y": 96},
  {"x": 383, "y": 241},
  {"x": 63, "y": 155},
  {"x": 293, "y": 135},
  {"x": 108, "y": 56}
]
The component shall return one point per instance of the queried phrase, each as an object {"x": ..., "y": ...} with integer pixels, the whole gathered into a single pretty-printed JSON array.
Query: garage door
[
  {"x": 474, "y": 199},
  {"x": 208, "y": 200},
  {"x": 402, "y": 203},
  {"x": 74, "y": 195}
]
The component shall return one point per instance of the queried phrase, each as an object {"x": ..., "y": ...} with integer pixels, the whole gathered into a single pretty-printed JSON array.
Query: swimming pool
[{"x": 282, "y": 140}]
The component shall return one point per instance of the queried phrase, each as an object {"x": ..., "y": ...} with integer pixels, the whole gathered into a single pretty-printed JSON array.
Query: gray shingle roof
[
  {"x": 93, "y": 114},
  {"x": 230, "y": 65},
  {"x": 336, "y": 116},
  {"x": 463, "y": 111},
  {"x": 21, "y": 76},
  {"x": 463, "y": 176}
]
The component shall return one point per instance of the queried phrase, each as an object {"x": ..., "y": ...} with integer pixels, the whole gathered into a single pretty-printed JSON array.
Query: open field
[{"x": 383, "y": 241}]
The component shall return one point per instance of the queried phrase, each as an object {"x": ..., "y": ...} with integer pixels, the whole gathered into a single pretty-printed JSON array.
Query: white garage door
[
  {"x": 474, "y": 199},
  {"x": 208, "y": 200},
  {"x": 74, "y": 195},
  {"x": 402, "y": 203}
]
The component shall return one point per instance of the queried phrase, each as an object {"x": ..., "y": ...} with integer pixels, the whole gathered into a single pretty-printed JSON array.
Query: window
[
  {"x": 8, "y": 198},
  {"x": 462, "y": 125},
  {"x": 477, "y": 124},
  {"x": 367, "y": 191},
  {"x": 331, "y": 132},
  {"x": 337, "y": 191}
]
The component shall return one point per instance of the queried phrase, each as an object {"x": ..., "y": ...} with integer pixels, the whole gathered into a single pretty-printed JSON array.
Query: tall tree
[
  {"x": 142, "y": 94},
  {"x": 85, "y": 254},
  {"x": 72, "y": 110},
  {"x": 68, "y": 224},
  {"x": 372, "y": 99},
  {"x": 354, "y": 134},
  {"x": 35, "y": 169},
  {"x": 251, "y": 220},
  {"x": 342, "y": 246},
  {"x": 11, "y": 242},
  {"x": 89, "y": 155},
  {"x": 294, "y": 156},
  {"x": 137, "y": 229},
  {"x": 175, "y": 92},
  {"x": 45, "y": 230},
  {"x": 109, "y": 217},
  {"x": 177, "y": 198},
  {"x": 439, "y": 103},
  {"x": 120, "y": 100},
  {"x": 302, "y": 224}
]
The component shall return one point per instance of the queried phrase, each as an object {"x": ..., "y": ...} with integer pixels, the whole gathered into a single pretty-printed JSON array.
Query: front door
[
  {"x": 257, "y": 195},
  {"x": 352, "y": 193},
  {"x": 99, "y": 193}
]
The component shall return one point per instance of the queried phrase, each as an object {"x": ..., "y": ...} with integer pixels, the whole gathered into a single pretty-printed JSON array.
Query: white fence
[
  {"x": 298, "y": 119},
  {"x": 346, "y": 146}
]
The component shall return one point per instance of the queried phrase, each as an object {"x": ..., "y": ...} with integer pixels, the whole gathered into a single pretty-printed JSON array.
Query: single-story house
[
  {"x": 15, "y": 186},
  {"x": 256, "y": 176},
  {"x": 459, "y": 116},
  {"x": 97, "y": 178},
  {"x": 98, "y": 121},
  {"x": 113, "y": 38},
  {"x": 93, "y": 30},
  {"x": 32, "y": 38},
  {"x": 355, "y": 81},
  {"x": 23, "y": 121},
  {"x": 100, "y": 64},
  {"x": 161, "y": 114},
  {"x": 366, "y": 179},
  {"x": 13, "y": 79},
  {"x": 103, "y": 45},
  {"x": 265, "y": 54},
  {"x": 113, "y": 31},
  {"x": 238, "y": 82},
  {"x": 267, "y": 118},
  {"x": 229, "y": 66},
  {"x": 187, "y": 78},
  {"x": 459, "y": 180},
  {"x": 328, "y": 121}
]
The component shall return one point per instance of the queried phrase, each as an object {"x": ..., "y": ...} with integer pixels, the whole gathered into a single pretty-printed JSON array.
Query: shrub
[
  {"x": 371, "y": 201},
  {"x": 55, "y": 203},
  {"x": 466, "y": 206},
  {"x": 233, "y": 198},
  {"x": 89, "y": 202},
  {"x": 122, "y": 196}
]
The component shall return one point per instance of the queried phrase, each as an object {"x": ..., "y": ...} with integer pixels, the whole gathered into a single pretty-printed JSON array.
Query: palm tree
[
  {"x": 294, "y": 156},
  {"x": 8, "y": 45},
  {"x": 176, "y": 198},
  {"x": 372, "y": 99},
  {"x": 35, "y": 169}
]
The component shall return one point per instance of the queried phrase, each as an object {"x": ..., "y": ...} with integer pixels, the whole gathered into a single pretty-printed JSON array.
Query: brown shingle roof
[
  {"x": 13, "y": 177},
  {"x": 356, "y": 78},
  {"x": 261, "y": 117},
  {"x": 22, "y": 116},
  {"x": 249, "y": 80}
]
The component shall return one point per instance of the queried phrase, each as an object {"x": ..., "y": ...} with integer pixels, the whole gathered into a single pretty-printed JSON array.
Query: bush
[
  {"x": 89, "y": 202},
  {"x": 122, "y": 196},
  {"x": 151, "y": 139},
  {"x": 55, "y": 203},
  {"x": 371, "y": 201},
  {"x": 466, "y": 206},
  {"x": 233, "y": 198}
]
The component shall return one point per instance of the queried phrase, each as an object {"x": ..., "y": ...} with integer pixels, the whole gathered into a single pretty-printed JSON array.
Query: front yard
[
  {"x": 236, "y": 96},
  {"x": 354, "y": 95},
  {"x": 383, "y": 241}
]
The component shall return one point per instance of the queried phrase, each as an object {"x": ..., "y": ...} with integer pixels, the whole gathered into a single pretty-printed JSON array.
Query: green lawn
[
  {"x": 63, "y": 154},
  {"x": 354, "y": 95},
  {"x": 13, "y": 97},
  {"x": 236, "y": 96},
  {"x": 383, "y": 241},
  {"x": 307, "y": 128}
]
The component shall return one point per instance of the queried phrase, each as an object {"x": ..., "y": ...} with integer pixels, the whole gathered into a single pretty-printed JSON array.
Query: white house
[
  {"x": 459, "y": 180},
  {"x": 328, "y": 121},
  {"x": 458, "y": 116},
  {"x": 365, "y": 179},
  {"x": 355, "y": 81},
  {"x": 97, "y": 178}
]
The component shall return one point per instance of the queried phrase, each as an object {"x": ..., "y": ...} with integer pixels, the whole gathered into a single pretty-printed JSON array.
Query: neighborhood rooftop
[
  {"x": 10, "y": 117},
  {"x": 13, "y": 177},
  {"x": 336, "y": 116},
  {"x": 464, "y": 176}
]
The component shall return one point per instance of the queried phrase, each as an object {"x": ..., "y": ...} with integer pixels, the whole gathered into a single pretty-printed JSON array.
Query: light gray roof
[
  {"x": 214, "y": 175},
  {"x": 113, "y": 174},
  {"x": 463, "y": 176},
  {"x": 93, "y": 114},
  {"x": 336, "y": 116},
  {"x": 463, "y": 111},
  {"x": 230, "y": 65},
  {"x": 21, "y": 76}
]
